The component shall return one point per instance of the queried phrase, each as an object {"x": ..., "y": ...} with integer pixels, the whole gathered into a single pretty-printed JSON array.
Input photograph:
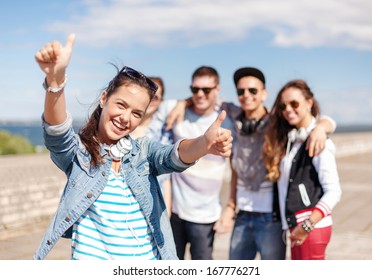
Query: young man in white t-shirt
[{"x": 196, "y": 193}]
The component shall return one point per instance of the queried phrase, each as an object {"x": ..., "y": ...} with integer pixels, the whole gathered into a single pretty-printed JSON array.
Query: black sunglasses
[
  {"x": 206, "y": 90},
  {"x": 241, "y": 91},
  {"x": 294, "y": 104},
  {"x": 136, "y": 75}
]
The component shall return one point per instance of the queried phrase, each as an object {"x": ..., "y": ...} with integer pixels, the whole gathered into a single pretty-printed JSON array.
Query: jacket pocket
[
  {"x": 304, "y": 196},
  {"x": 81, "y": 172},
  {"x": 83, "y": 160},
  {"x": 142, "y": 168}
]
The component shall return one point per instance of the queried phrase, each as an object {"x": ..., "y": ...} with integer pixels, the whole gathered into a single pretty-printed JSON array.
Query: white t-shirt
[{"x": 196, "y": 191}]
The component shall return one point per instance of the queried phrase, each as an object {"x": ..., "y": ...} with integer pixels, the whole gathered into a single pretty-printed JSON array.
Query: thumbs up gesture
[
  {"x": 54, "y": 58},
  {"x": 218, "y": 139}
]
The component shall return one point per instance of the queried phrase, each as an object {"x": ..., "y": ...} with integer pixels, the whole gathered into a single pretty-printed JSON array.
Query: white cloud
[{"x": 302, "y": 23}]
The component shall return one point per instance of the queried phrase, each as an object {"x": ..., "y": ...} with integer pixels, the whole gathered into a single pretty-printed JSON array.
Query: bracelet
[
  {"x": 57, "y": 89},
  {"x": 308, "y": 225}
]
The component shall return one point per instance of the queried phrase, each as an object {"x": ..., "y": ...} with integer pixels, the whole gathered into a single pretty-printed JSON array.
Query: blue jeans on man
[{"x": 257, "y": 233}]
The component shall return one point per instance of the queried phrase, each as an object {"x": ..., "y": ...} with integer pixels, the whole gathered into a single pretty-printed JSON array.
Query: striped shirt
[{"x": 113, "y": 227}]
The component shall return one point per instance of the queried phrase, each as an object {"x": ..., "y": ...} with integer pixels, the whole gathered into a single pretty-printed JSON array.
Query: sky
[{"x": 327, "y": 43}]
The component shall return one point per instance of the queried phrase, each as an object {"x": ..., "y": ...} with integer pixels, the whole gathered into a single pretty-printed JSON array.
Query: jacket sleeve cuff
[
  {"x": 59, "y": 129},
  {"x": 323, "y": 209},
  {"x": 176, "y": 157}
]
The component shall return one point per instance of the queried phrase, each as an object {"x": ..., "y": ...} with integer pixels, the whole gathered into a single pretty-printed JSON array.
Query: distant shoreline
[
  {"x": 78, "y": 123},
  {"x": 353, "y": 128},
  {"x": 34, "y": 132}
]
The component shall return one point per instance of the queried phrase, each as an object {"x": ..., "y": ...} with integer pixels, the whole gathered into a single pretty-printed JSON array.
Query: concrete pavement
[{"x": 351, "y": 238}]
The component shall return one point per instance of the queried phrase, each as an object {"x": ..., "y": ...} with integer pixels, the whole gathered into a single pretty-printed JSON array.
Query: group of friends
[{"x": 144, "y": 174}]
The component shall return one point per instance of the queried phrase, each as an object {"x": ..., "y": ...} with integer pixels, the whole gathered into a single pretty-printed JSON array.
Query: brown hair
[
  {"x": 206, "y": 71},
  {"x": 277, "y": 135},
  {"x": 89, "y": 132},
  {"x": 159, "y": 81}
]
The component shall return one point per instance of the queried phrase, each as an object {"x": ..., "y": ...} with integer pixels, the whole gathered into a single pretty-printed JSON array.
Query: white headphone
[
  {"x": 118, "y": 150},
  {"x": 297, "y": 134}
]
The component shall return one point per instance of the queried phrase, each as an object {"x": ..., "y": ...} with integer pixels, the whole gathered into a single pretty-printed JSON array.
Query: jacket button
[
  {"x": 67, "y": 219},
  {"x": 103, "y": 173},
  {"x": 291, "y": 180},
  {"x": 49, "y": 242},
  {"x": 89, "y": 195}
]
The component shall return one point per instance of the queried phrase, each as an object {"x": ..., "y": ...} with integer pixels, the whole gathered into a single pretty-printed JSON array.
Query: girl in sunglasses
[
  {"x": 112, "y": 206},
  {"x": 307, "y": 187}
]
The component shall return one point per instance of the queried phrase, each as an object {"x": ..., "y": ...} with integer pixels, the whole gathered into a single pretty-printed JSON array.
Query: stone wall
[{"x": 30, "y": 185}]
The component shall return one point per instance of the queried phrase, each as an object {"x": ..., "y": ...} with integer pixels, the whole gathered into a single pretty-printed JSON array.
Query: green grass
[{"x": 11, "y": 144}]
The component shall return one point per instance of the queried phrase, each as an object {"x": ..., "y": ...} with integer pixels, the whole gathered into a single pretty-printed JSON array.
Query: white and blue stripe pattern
[{"x": 113, "y": 227}]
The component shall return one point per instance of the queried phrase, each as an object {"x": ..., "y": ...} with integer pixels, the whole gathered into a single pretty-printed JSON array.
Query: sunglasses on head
[
  {"x": 241, "y": 91},
  {"x": 206, "y": 90},
  {"x": 294, "y": 104},
  {"x": 136, "y": 75}
]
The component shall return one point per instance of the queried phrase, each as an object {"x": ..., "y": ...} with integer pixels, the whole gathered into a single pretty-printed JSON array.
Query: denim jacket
[{"x": 140, "y": 166}]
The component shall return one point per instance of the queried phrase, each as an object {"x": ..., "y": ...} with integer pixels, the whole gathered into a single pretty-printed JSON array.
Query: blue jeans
[
  {"x": 200, "y": 237},
  {"x": 257, "y": 233}
]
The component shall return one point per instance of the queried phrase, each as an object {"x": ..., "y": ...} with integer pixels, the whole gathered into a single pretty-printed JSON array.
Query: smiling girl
[
  {"x": 308, "y": 187},
  {"x": 112, "y": 206}
]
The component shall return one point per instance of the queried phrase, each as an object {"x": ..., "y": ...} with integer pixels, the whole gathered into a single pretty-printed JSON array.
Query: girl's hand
[
  {"x": 298, "y": 236},
  {"x": 54, "y": 58},
  {"x": 317, "y": 139},
  {"x": 218, "y": 139}
]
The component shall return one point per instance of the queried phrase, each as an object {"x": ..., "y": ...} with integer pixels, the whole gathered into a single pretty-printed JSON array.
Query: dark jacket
[{"x": 304, "y": 188}]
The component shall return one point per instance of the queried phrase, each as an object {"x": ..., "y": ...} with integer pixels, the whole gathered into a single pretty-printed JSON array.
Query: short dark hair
[{"x": 206, "y": 71}]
